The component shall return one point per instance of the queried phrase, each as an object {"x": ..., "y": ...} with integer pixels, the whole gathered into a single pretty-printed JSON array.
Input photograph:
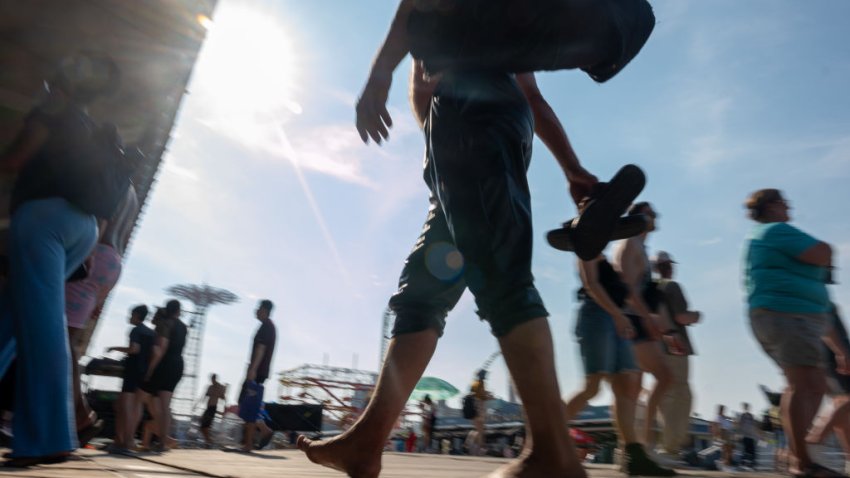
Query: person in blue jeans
[
  {"x": 50, "y": 235},
  {"x": 605, "y": 336},
  {"x": 785, "y": 276}
]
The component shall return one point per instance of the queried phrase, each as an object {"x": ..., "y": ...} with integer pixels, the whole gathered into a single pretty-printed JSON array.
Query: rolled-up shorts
[
  {"x": 478, "y": 230},
  {"x": 602, "y": 349},
  {"x": 522, "y": 36},
  {"x": 250, "y": 401},
  {"x": 791, "y": 339}
]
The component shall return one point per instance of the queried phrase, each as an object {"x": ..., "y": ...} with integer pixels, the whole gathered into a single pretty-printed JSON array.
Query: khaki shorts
[{"x": 791, "y": 339}]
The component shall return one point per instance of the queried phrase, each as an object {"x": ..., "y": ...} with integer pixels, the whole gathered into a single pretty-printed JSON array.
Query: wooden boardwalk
[{"x": 282, "y": 463}]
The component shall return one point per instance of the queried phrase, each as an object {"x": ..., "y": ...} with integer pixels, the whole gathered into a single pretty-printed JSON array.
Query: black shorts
[
  {"x": 478, "y": 230},
  {"x": 208, "y": 417},
  {"x": 641, "y": 334},
  {"x": 132, "y": 381},
  {"x": 511, "y": 36},
  {"x": 165, "y": 378}
]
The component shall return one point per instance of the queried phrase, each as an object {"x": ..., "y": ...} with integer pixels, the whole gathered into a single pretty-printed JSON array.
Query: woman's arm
[
  {"x": 159, "y": 348},
  {"x": 588, "y": 270}
]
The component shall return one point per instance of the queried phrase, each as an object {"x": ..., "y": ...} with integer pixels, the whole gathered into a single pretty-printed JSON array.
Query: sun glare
[{"x": 248, "y": 73}]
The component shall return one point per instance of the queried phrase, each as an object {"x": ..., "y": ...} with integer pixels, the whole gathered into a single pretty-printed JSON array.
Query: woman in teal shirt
[{"x": 786, "y": 271}]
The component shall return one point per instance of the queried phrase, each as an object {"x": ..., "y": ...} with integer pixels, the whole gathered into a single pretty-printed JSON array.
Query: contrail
[{"x": 290, "y": 152}]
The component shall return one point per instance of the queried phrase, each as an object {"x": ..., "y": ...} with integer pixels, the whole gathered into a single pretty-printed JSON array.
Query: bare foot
[
  {"x": 529, "y": 467},
  {"x": 342, "y": 454}
]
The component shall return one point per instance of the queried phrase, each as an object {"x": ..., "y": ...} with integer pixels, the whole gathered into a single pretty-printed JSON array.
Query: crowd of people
[{"x": 478, "y": 105}]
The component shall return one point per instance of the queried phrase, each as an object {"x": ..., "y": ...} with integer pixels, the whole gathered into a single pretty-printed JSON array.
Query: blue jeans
[{"x": 48, "y": 240}]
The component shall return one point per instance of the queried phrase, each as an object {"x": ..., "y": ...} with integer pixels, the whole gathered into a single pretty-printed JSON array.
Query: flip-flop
[
  {"x": 627, "y": 226},
  {"x": 592, "y": 230}
]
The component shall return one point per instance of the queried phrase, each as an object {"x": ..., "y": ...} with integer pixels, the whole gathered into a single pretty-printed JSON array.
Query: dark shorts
[
  {"x": 250, "y": 401},
  {"x": 478, "y": 230},
  {"x": 132, "y": 380},
  {"x": 208, "y": 417},
  {"x": 164, "y": 379},
  {"x": 641, "y": 335},
  {"x": 506, "y": 35}
]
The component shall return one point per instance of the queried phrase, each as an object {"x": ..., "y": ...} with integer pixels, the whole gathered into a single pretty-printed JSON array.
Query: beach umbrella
[{"x": 436, "y": 388}]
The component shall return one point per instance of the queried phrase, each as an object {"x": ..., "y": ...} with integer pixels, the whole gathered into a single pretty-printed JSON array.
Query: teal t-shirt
[{"x": 775, "y": 279}]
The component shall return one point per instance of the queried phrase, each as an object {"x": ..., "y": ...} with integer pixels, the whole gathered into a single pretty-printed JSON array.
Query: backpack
[{"x": 469, "y": 409}]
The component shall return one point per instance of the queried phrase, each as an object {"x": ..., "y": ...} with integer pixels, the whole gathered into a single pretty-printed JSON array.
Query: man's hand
[
  {"x": 373, "y": 119},
  {"x": 251, "y": 376},
  {"x": 581, "y": 183},
  {"x": 652, "y": 328}
]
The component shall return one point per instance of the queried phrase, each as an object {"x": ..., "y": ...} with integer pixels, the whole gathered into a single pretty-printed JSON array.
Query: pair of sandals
[{"x": 602, "y": 219}]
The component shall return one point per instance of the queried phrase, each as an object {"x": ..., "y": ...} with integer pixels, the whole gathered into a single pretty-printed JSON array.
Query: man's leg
[
  {"x": 529, "y": 354},
  {"x": 675, "y": 406},
  {"x": 651, "y": 359},
  {"x": 800, "y": 402},
  {"x": 248, "y": 436},
  {"x": 127, "y": 419},
  {"x": 120, "y": 420},
  {"x": 358, "y": 450}
]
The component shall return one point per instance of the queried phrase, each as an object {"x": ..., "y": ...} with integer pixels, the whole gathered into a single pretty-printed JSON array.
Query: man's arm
[
  {"x": 549, "y": 129},
  {"x": 132, "y": 349},
  {"x": 842, "y": 355},
  {"x": 256, "y": 358},
  {"x": 420, "y": 91},
  {"x": 373, "y": 119}
]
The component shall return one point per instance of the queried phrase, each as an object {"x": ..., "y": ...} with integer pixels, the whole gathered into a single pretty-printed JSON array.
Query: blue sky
[{"x": 267, "y": 191}]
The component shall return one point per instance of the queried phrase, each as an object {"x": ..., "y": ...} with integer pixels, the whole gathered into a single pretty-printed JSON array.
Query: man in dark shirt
[
  {"x": 215, "y": 392},
  {"x": 138, "y": 353},
  {"x": 262, "y": 350}
]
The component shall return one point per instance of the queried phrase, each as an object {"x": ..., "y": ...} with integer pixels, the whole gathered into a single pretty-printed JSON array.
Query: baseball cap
[{"x": 663, "y": 257}]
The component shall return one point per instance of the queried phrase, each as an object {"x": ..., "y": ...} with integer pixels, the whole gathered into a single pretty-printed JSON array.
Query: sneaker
[{"x": 638, "y": 463}]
